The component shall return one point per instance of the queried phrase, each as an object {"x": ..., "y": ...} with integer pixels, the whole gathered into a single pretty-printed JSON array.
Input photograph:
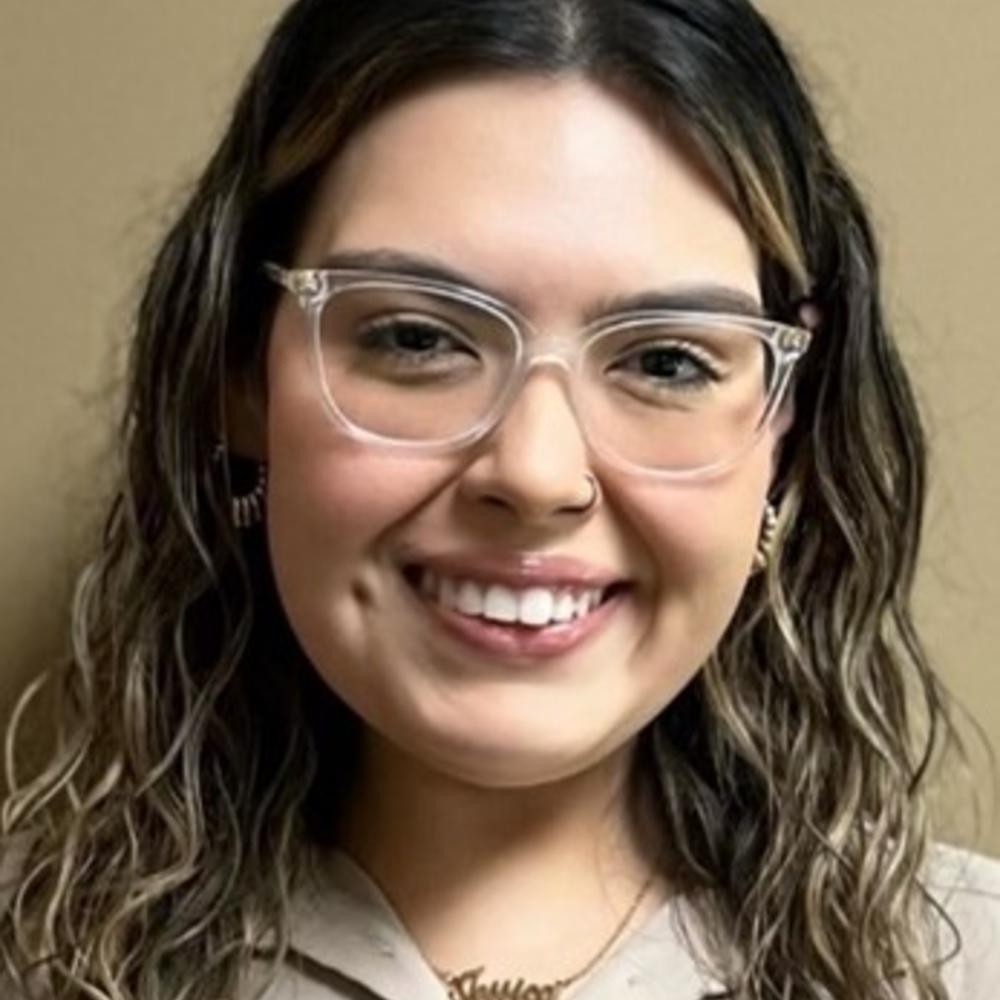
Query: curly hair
[{"x": 163, "y": 839}]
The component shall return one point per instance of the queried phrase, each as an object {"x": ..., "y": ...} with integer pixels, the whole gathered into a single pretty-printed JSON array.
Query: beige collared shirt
[{"x": 350, "y": 945}]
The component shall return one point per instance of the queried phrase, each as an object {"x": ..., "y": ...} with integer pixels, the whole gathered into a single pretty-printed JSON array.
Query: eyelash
[
  {"x": 378, "y": 333},
  {"x": 692, "y": 353}
]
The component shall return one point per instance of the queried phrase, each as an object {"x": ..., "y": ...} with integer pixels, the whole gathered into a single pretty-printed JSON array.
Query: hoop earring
[
  {"x": 247, "y": 509},
  {"x": 765, "y": 544}
]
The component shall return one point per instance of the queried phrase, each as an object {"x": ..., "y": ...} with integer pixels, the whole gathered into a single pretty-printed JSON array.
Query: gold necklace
[{"x": 468, "y": 986}]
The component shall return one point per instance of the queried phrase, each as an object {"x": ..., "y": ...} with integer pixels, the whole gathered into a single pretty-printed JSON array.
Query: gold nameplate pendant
[{"x": 467, "y": 986}]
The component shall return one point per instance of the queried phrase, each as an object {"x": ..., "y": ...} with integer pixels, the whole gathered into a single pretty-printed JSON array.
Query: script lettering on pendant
[{"x": 466, "y": 986}]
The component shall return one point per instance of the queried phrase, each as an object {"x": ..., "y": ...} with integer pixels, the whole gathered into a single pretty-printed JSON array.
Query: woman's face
[{"x": 559, "y": 196}]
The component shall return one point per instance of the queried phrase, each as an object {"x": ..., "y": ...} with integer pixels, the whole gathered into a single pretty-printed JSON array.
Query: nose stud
[{"x": 595, "y": 494}]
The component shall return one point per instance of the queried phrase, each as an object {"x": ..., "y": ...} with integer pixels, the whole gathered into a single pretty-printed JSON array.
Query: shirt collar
[{"x": 342, "y": 921}]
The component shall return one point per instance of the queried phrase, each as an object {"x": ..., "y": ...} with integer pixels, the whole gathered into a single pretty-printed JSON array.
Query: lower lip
[{"x": 518, "y": 640}]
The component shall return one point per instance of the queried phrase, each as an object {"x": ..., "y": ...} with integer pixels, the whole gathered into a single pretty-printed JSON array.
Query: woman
[{"x": 507, "y": 589}]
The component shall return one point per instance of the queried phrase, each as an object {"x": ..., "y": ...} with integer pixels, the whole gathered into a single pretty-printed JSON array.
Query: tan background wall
[{"x": 107, "y": 109}]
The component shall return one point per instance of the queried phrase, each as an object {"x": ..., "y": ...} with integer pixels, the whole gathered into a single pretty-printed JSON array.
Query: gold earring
[{"x": 765, "y": 544}]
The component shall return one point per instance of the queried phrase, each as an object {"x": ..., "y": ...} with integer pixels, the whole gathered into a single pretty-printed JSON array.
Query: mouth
[{"x": 530, "y": 609}]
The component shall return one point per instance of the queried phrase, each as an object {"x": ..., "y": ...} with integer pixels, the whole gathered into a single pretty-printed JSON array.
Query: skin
[{"x": 558, "y": 194}]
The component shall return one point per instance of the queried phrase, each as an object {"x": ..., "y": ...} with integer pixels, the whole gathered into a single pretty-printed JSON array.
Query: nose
[{"x": 534, "y": 462}]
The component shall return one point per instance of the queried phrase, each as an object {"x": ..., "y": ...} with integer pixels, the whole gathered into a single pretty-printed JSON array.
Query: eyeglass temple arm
[
  {"x": 305, "y": 284},
  {"x": 279, "y": 274}
]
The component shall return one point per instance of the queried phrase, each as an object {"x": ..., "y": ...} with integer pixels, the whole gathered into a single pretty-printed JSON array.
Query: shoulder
[{"x": 966, "y": 887}]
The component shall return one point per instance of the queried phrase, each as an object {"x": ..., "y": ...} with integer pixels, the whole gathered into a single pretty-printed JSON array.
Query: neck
[{"x": 527, "y": 881}]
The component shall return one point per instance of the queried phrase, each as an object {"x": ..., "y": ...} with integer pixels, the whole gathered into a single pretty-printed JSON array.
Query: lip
[
  {"x": 519, "y": 570},
  {"x": 516, "y": 642}
]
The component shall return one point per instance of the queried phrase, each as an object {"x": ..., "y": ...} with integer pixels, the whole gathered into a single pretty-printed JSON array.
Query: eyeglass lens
[{"x": 415, "y": 365}]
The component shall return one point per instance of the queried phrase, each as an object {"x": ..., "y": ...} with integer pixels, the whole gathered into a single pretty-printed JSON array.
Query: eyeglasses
[{"x": 429, "y": 366}]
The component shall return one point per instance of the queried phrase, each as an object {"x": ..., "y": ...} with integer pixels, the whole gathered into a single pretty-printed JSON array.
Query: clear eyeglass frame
[{"x": 313, "y": 288}]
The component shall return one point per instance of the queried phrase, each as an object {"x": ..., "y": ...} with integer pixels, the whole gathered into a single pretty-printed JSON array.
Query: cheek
[
  {"x": 330, "y": 512},
  {"x": 707, "y": 537},
  {"x": 336, "y": 496},
  {"x": 329, "y": 508},
  {"x": 326, "y": 492},
  {"x": 702, "y": 538},
  {"x": 330, "y": 501}
]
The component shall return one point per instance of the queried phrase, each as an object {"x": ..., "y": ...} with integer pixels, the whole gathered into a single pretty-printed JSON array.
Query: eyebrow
[{"x": 700, "y": 297}]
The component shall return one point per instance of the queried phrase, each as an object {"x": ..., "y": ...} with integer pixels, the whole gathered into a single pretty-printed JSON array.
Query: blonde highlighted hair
[{"x": 163, "y": 840}]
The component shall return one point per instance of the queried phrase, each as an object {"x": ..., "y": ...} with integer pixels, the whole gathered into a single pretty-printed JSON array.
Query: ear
[
  {"x": 245, "y": 418},
  {"x": 784, "y": 418}
]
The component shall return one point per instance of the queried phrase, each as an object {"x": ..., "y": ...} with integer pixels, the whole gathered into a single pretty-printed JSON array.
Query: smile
[
  {"x": 534, "y": 606},
  {"x": 534, "y": 621}
]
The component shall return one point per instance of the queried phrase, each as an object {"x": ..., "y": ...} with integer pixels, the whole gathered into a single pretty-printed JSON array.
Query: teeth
[
  {"x": 565, "y": 607},
  {"x": 470, "y": 599},
  {"x": 500, "y": 603},
  {"x": 537, "y": 606},
  {"x": 449, "y": 593}
]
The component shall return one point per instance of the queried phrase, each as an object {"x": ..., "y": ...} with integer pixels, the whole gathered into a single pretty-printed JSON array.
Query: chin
[{"x": 489, "y": 758}]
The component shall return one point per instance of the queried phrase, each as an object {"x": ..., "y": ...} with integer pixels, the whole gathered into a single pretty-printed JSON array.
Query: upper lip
[{"x": 518, "y": 570}]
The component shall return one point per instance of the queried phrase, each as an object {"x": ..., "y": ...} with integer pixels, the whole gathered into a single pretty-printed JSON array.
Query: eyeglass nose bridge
[
  {"x": 553, "y": 349},
  {"x": 550, "y": 350}
]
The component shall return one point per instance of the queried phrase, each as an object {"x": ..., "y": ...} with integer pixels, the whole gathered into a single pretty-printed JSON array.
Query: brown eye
[
  {"x": 409, "y": 338},
  {"x": 666, "y": 368},
  {"x": 672, "y": 364}
]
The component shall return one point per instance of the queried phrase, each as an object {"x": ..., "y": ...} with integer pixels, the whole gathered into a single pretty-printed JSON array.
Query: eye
[
  {"x": 417, "y": 349},
  {"x": 411, "y": 340},
  {"x": 672, "y": 363},
  {"x": 667, "y": 368}
]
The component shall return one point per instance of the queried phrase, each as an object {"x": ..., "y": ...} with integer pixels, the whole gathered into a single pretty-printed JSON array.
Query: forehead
[{"x": 556, "y": 193}]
